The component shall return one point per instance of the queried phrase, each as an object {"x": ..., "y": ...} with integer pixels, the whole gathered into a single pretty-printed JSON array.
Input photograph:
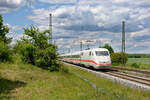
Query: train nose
[{"x": 104, "y": 60}]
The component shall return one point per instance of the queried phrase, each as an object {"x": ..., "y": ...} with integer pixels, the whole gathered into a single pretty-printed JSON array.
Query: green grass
[
  {"x": 113, "y": 87},
  {"x": 143, "y": 63},
  {"x": 139, "y": 60},
  {"x": 27, "y": 82}
]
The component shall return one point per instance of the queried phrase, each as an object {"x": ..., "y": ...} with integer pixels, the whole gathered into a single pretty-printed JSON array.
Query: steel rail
[
  {"x": 130, "y": 78},
  {"x": 134, "y": 79},
  {"x": 137, "y": 77},
  {"x": 134, "y": 70}
]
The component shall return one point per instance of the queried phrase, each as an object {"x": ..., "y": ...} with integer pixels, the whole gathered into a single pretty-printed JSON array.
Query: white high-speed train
[{"x": 98, "y": 58}]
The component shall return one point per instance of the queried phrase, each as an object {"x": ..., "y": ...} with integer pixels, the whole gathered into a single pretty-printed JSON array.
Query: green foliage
[
  {"x": 3, "y": 31},
  {"x": 139, "y": 55},
  {"x": 139, "y": 60},
  {"x": 107, "y": 46},
  {"x": 63, "y": 68},
  {"x": 5, "y": 52},
  {"x": 117, "y": 58},
  {"x": 143, "y": 63},
  {"x": 35, "y": 49},
  {"x": 135, "y": 65},
  {"x": 28, "y": 53}
]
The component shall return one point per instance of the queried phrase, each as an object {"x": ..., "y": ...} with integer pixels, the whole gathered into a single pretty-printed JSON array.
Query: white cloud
[
  {"x": 58, "y": 1},
  {"x": 140, "y": 33},
  {"x": 7, "y": 6},
  {"x": 94, "y": 19},
  {"x": 14, "y": 28}
]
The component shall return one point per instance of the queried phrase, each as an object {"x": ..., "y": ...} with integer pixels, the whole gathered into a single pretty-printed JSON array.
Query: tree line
[{"x": 139, "y": 55}]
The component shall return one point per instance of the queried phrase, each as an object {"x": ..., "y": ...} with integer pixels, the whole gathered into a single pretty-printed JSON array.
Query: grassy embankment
[{"x": 27, "y": 82}]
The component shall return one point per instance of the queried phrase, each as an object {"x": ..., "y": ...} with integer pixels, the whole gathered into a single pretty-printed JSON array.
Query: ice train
[{"x": 98, "y": 58}]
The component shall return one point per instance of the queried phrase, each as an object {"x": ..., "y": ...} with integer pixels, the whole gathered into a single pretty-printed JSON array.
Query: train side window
[
  {"x": 89, "y": 53},
  {"x": 78, "y": 56}
]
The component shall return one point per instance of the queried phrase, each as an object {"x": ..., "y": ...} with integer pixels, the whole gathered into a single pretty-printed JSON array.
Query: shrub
[
  {"x": 5, "y": 52},
  {"x": 46, "y": 57},
  {"x": 35, "y": 49},
  {"x": 117, "y": 58},
  {"x": 62, "y": 67},
  {"x": 135, "y": 65},
  {"x": 27, "y": 51}
]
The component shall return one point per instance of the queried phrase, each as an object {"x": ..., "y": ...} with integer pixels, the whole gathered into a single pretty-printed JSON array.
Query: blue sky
[{"x": 81, "y": 20}]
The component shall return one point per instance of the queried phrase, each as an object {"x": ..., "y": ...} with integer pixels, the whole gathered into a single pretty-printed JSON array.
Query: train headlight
[{"x": 104, "y": 62}]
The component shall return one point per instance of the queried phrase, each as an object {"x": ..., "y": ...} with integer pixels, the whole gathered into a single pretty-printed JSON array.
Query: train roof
[{"x": 78, "y": 52}]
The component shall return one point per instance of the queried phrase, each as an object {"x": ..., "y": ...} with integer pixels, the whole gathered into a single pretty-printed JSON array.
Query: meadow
[
  {"x": 28, "y": 82},
  {"x": 139, "y": 63},
  {"x": 139, "y": 60}
]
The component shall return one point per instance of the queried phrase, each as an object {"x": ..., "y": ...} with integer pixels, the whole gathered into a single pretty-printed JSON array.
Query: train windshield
[{"x": 101, "y": 53}]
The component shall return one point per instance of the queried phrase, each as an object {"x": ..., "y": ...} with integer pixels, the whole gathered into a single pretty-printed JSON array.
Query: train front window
[{"x": 101, "y": 53}]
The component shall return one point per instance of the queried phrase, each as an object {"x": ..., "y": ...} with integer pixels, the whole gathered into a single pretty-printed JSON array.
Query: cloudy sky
[{"x": 76, "y": 20}]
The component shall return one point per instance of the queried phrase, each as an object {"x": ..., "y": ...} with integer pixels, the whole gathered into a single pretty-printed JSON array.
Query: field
[
  {"x": 139, "y": 60},
  {"x": 141, "y": 63},
  {"x": 28, "y": 82}
]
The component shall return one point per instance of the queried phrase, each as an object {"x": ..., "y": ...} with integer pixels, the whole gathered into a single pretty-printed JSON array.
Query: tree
[
  {"x": 5, "y": 50},
  {"x": 107, "y": 46},
  {"x": 4, "y": 30},
  {"x": 117, "y": 58},
  {"x": 35, "y": 48}
]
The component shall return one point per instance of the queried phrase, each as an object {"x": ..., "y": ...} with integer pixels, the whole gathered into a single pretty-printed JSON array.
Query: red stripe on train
[{"x": 91, "y": 61}]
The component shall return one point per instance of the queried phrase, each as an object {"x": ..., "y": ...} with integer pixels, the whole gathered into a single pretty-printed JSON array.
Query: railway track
[
  {"x": 137, "y": 79},
  {"x": 133, "y": 70},
  {"x": 133, "y": 80}
]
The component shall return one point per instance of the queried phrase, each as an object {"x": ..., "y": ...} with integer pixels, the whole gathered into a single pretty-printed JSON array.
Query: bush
[
  {"x": 35, "y": 49},
  {"x": 27, "y": 51},
  {"x": 135, "y": 65},
  {"x": 46, "y": 57},
  {"x": 63, "y": 68},
  {"x": 5, "y": 53},
  {"x": 116, "y": 58}
]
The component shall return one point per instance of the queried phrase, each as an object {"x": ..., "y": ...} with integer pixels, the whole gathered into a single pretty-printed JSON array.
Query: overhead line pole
[
  {"x": 81, "y": 46},
  {"x": 50, "y": 28},
  {"x": 123, "y": 43},
  {"x": 80, "y": 50}
]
